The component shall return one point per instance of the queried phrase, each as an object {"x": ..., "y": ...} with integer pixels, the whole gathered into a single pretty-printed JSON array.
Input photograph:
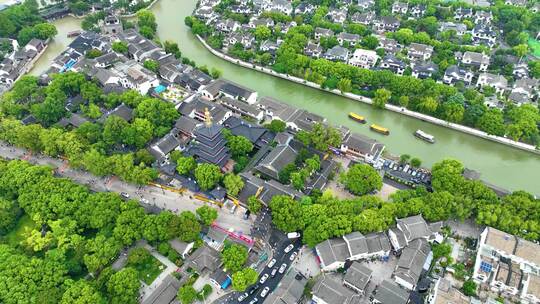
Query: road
[
  {"x": 163, "y": 199},
  {"x": 272, "y": 282}
]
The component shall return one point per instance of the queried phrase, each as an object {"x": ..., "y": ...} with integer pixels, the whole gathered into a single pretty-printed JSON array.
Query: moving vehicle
[
  {"x": 379, "y": 129},
  {"x": 282, "y": 268},
  {"x": 274, "y": 271},
  {"x": 289, "y": 248},
  {"x": 293, "y": 235},
  {"x": 242, "y": 297},
  {"x": 265, "y": 291},
  {"x": 124, "y": 195},
  {"x": 293, "y": 256},
  {"x": 357, "y": 117},
  {"x": 271, "y": 263},
  {"x": 264, "y": 278},
  {"x": 425, "y": 136}
]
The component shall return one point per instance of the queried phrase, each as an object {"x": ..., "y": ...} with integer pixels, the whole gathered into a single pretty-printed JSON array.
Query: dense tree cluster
[
  {"x": 93, "y": 145},
  {"x": 74, "y": 232},
  {"x": 453, "y": 197},
  {"x": 22, "y": 22}
]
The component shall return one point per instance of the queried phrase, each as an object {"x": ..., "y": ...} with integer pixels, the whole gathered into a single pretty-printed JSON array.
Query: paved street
[{"x": 160, "y": 198}]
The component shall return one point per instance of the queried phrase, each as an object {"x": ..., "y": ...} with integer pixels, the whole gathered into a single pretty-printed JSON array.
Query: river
[{"x": 501, "y": 165}]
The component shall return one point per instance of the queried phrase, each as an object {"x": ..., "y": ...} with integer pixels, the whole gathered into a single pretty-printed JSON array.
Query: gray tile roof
[
  {"x": 356, "y": 243},
  {"x": 411, "y": 261},
  {"x": 333, "y": 250},
  {"x": 390, "y": 292},
  {"x": 165, "y": 292},
  {"x": 276, "y": 160},
  {"x": 289, "y": 290},
  {"x": 332, "y": 291},
  {"x": 358, "y": 275}
]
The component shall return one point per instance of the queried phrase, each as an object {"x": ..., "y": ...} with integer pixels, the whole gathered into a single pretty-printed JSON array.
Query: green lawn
[
  {"x": 149, "y": 269},
  {"x": 535, "y": 47},
  {"x": 17, "y": 234}
]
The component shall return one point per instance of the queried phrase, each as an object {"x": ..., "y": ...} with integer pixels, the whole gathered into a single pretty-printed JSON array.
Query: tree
[
  {"x": 381, "y": 98},
  {"x": 404, "y": 158},
  {"x": 120, "y": 47},
  {"x": 323, "y": 137},
  {"x": 215, "y": 73},
  {"x": 344, "y": 85},
  {"x": 161, "y": 114},
  {"x": 138, "y": 256},
  {"x": 239, "y": 145},
  {"x": 276, "y": 126},
  {"x": 187, "y": 294},
  {"x": 286, "y": 213},
  {"x": 233, "y": 183},
  {"x": 93, "y": 53},
  {"x": 186, "y": 226},
  {"x": 521, "y": 50},
  {"x": 469, "y": 288},
  {"x": 123, "y": 286},
  {"x": 244, "y": 278},
  {"x": 234, "y": 257},
  {"x": 171, "y": 47},
  {"x": 9, "y": 213},
  {"x": 370, "y": 42},
  {"x": 207, "y": 175},
  {"x": 185, "y": 164},
  {"x": 207, "y": 215},
  {"x": 146, "y": 18},
  {"x": 113, "y": 130},
  {"x": 81, "y": 292},
  {"x": 298, "y": 179},
  {"x": 361, "y": 179},
  {"x": 262, "y": 33},
  {"x": 138, "y": 133},
  {"x": 416, "y": 162},
  {"x": 152, "y": 65},
  {"x": 492, "y": 122},
  {"x": 254, "y": 204}
]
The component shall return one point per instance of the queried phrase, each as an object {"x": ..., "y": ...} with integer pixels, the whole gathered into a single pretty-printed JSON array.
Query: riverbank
[{"x": 393, "y": 108}]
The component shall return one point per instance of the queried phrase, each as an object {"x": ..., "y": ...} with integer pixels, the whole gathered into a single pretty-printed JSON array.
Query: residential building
[
  {"x": 332, "y": 254},
  {"x": 443, "y": 293},
  {"x": 387, "y": 24},
  {"x": 508, "y": 265},
  {"x": 181, "y": 247},
  {"x": 139, "y": 48},
  {"x": 366, "y": 59},
  {"x": 275, "y": 161},
  {"x": 242, "y": 108},
  {"x": 411, "y": 263},
  {"x": 498, "y": 82},
  {"x": 313, "y": 50},
  {"x": 411, "y": 228},
  {"x": 463, "y": 13},
  {"x": 484, "y": 34},
  {"x": 304, "y": 8},
  {"x": 222, "y": 87},
  {"x": 390, "y": 292},
  {"x": 351, "y": 39},
  {"x": 459, "y": 28},
  {"x": 322, "y": 32},
  {"x": 476, "y": 60},
  {"x": 112, "y": 25},
  {"x": 328, "y": 291},
  {"x": 164, "y": 292},
  {"x": 418, "y": 11},
  {"x": 394, "y": 64},
  {"x": 418, "y": 51},
  {"x": 363, "y": 18},
  {"x": 359, "y": 146},
  {"x": 133, "y": 75},
  {"x": 400, "y": 8},
  {"x": 228, "y": 25},
  {"x": 389, "y": 45},
  {"x": 365, "y": 4},
  {"x": 357, "y": 277},
  {"x": 454, "y": 74},
  {"x": 483, "y": 16},
  {"x": 258, "y": 135},
  {"x": 338, "y": 15},
  {"x": 289, "y": 290},
  {"x": 337, "y": 53},
  {"x": 295, "y": 119},
  {"x": 282, "y": 6},
  {"x": 424, "y": 70},
  {"x": 204, "y": 260}
]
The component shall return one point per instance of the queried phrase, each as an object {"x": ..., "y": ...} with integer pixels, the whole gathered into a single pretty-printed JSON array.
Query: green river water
[{"x": 501, "y": 165}]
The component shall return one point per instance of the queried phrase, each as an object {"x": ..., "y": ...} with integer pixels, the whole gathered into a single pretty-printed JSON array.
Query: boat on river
[
  {"x": 379, "y": 129},
  {"x": 74, "y": 33},
  {"x": 357, "y": 117},
  {"x": 425, "y": 136}
]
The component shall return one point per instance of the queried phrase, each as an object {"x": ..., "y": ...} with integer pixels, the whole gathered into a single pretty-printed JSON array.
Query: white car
[
  {"x": 265, "y": 291},
  {"x": 242, "y": 297},
  {"x": 293, "y": 256},
  {"x": 264, "y": 278},
  {"x": 282, "y": 268},
  {"x": 254, "y": 301},
  {"x": 274, "y": 271},
  {"x": 272, "y": 263},
  {"x": 289, "y": 248},
  {"x": 124, "y": 195}
]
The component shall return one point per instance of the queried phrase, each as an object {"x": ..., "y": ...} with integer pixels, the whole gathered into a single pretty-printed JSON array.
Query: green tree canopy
[
  {"x": 207, "y": 175},
  {"x": 361, "y": 179},
  {"x": 234, "y": 257}
]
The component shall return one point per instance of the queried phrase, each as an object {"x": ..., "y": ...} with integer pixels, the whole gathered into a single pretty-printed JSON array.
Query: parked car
[
  {"x": 264, "y": 278},
  {"x": 255, "y": 300},
  {"x": 124, "y": 195},
  {"x": 282, "y": 268},
  {"x": 293, "y": 256},
  {"x": 271, "y": 263},
  {"x": 293, "y": 235},
  {"x": 254, "y": 288},
  {"x": 242, "y": 297},
  {"x": 265, "y": 291},
  {"x": 289, "y": 248},
  {"x": 274, "y": 271}
]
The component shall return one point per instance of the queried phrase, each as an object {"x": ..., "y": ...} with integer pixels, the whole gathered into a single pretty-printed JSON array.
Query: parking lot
[{"x": 406, "y": 173}]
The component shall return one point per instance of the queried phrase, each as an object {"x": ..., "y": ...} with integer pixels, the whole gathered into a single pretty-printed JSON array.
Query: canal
[{"x": 501, "y": 165}]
